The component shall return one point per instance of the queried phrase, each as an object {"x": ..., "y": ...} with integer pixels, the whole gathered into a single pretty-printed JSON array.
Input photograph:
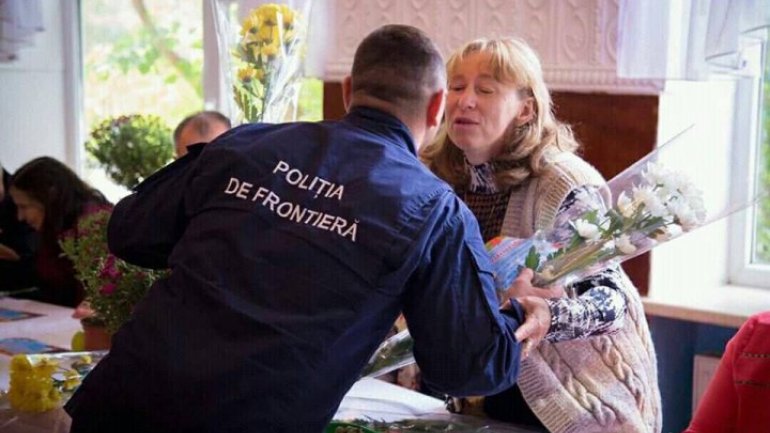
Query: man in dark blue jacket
[{"x": 293, "y": 248}]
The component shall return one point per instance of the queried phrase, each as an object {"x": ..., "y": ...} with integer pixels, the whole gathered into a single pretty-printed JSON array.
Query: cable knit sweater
[{"x": 605, "y": 383}]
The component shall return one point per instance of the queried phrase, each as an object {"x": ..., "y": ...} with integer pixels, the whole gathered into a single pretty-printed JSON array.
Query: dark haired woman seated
[{"x": 51, "y": 198}]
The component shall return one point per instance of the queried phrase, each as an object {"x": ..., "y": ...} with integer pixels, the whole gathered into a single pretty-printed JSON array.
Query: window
[
  {"x": 761, "y": 253},
  {"x": 750, "y": 234},
  {"x": 146, "y": 57}
]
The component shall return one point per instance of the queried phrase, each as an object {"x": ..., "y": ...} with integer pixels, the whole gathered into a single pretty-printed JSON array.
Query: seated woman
[
  {"x": 738, "y": 395},
  {"x": 17, "y": 243},
  {"x": 51, "y": 198},
  {"x": 592, "y": 364}
]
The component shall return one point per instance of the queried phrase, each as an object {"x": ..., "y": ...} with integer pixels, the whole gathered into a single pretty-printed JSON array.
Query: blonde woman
[{"x": 592, "y": 365}]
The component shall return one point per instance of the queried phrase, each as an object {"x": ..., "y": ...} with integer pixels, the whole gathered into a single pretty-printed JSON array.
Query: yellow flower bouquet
[
  {"x": 45, "y": 381},
  {"x": 265, "y": 65}
]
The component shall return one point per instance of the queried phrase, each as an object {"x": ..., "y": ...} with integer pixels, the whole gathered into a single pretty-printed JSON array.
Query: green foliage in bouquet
[
  {"x": 130, "y": 148},
  {"x": 112, "y": 286}
]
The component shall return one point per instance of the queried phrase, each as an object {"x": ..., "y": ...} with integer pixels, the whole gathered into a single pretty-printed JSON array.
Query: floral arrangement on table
[
  {"x": 268, "y": 59},
  {"x": 112, "y": 285},
  {"x": 43, "y": 382},
  {"x": 654, "y": 204},
  {"x": 132, "y": 147}
]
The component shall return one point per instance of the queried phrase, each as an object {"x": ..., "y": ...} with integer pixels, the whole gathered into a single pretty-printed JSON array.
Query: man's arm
[
  {"x": 145, "y": 226},
  {"x": 463, "y": 343}
]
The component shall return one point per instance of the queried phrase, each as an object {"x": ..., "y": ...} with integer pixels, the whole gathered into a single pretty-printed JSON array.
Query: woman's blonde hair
[{"x": 512, "y": 62}]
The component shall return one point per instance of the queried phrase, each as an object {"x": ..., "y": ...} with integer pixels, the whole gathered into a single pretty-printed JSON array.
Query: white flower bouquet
[
  {"x": 652, "y": 202},
  {"x": 263, "y": 64}
]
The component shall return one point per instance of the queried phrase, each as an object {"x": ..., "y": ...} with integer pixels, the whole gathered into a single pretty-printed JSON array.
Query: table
[
  {"x": 368, "y": 398},
  {"x": 54, "y": 326}
]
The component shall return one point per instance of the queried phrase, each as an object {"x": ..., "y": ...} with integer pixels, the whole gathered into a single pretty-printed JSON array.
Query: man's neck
[{"x": 416, "y": 128}]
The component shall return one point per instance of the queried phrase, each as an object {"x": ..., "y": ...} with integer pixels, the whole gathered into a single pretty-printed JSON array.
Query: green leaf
[{"x": 533, "y": 259}]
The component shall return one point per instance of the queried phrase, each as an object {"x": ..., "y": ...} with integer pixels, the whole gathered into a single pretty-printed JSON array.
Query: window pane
[
  {"x": 142, "y": 57},
  {"x": 762, "y": 244}
]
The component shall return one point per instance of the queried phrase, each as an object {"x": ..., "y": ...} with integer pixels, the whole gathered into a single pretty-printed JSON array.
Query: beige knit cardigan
[{"x": 606, "y": 383}]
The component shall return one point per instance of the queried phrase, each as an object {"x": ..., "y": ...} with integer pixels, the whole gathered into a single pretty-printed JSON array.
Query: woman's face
[
  {"x": 480, "y": 108},
  {"x": 30, "y": 210}
]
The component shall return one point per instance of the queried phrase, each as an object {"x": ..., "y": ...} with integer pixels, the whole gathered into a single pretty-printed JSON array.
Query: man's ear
[
  {"x": 347, "y": 92},
  {"x": 526, "y": 112},
  {"x": 436, "y": 108}
]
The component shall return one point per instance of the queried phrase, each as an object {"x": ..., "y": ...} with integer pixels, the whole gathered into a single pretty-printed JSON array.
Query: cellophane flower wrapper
[
  {"x": 262, "y": 64},
  {"x": 395, "y": 423},
  {"x": 393, "y": 353},
  {"x": 41, "y": 382},
  {"x": 669, "y": 192}
]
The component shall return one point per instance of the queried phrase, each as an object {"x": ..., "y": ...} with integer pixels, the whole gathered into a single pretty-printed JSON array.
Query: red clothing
[
  {"x": 56, "y": 277},
  {"x": 738, "y": 398},
  {"x": 55, "y": 274}
]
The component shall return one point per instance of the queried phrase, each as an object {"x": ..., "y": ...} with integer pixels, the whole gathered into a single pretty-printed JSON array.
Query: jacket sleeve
[
  {"x": 463, "y": 343},
  {"x": 145, "y": 226}
]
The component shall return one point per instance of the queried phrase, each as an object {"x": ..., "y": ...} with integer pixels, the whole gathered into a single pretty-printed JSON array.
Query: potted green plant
[
  {"x": 132, "y": 147},
  {"x": 112, "y": 286}
]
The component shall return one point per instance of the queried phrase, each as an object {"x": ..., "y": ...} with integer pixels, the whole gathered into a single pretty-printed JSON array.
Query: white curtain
[
  {"x": 688, "y": 39},
  {"x": 19, "y": 21}
]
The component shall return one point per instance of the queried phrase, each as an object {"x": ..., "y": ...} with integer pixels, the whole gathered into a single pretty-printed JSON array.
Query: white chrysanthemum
[
  {"x": 609, "y": 245},
  {"x": 673, "y": 230},
  {"x": 669, "y": 232},
  {"x": 626, "y": 206},
  {"x": 684, "y": 214},
  {"x": 624, "y": 245},
  {"x": 677, "y": 181},
  {"x": 587, "y": 230},
  {"x": 656, "y": 174},
  {"x": 583, "y": 199},
  {"x": 652, "y": 203}
]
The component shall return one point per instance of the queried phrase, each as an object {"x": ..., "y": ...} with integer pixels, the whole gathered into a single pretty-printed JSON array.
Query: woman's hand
[
  {"x": 537, "y": 322},
  {"x": 83, "y": 310},
  {"x": 522, "y": 286}
]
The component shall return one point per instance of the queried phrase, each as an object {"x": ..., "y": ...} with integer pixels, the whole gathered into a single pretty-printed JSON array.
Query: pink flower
[
  {"x": 107, "y": 289},
  {"x": 109, "y": 270}
]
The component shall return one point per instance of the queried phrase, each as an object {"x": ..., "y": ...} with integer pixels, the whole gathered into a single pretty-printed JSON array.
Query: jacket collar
[{"x": 382, "y": 123}]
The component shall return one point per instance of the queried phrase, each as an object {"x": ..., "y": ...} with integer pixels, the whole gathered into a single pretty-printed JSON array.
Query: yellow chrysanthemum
[
  {"x": 287, "y": 16},
  {"x": 31, "y": 387},
  {"x": 269, "y": 14},
  {"x": 247, "y": 74},
  {"x": 266, "y": 33},
  {"x": 270, "y": 51},
  {"x": 20, "y": 363},
  {"x": 251, "y": 24}
]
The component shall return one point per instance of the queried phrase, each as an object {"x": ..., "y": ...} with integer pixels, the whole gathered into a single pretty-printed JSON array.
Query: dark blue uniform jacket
[{"x": 293, "y": 248}]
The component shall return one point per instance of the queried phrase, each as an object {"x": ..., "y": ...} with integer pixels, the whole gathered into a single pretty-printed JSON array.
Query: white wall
[{"x": 33, "y": 96}]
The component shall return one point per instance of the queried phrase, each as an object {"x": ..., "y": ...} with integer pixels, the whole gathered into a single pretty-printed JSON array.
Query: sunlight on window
[{"x": 762, "y": 244}]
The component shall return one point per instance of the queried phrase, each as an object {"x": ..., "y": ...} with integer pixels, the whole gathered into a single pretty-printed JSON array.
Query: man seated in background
[{"x": 200, "y": 127}]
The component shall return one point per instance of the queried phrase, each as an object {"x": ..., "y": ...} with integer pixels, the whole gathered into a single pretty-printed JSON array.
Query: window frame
[{"x": 747, "y": 133}]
